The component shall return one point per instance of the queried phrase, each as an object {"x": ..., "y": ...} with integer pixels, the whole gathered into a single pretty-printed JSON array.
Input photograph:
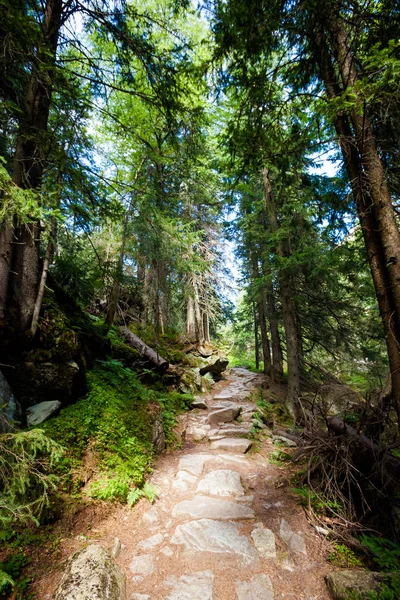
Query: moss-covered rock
[{"x": 91, "y": 574}]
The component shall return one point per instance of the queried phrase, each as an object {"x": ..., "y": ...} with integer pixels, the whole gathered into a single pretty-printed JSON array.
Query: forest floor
[{"x": 224, "y": 526}]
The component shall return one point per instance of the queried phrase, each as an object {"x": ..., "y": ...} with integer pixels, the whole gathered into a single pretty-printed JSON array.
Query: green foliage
[
  {"x": 27, "y": 463},
  {"x": 115, "y": 422},
  {"x": 10, "y": 575},
  {"x": 388, "y": 591},
  {"x": 319, "y": 504},
  {"x": 386, "y": 554},
  {"x": 343, "y": 557}
]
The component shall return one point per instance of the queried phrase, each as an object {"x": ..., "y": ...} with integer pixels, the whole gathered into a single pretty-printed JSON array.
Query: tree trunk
[
  {"x": 375, "y": 178},
  {"x": 145, "y": 350},
  {"x": 288, "y": 310},
  {"x": 46, "y": 265},
  {"x": 369, "y": 225},
  {"x": 256, "y": 344},
  {"x": 266, "y": 352},
  {"x": 28, "y": 170},
  {"x": 190, "y": 320},
  {"x": 206, "y": 327},
  {"x": 272, "y": 315}
]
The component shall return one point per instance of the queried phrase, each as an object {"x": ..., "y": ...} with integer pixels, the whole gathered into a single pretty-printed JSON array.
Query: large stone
[
  {"x": 91, "y": 574},
  {"x": 239, "y": 445},
  {"x": 295, "y": 541},
  {"x": 193, "y": 463},
  {"x": 10, "y": 410},
  {"x": 258, "y": 588},
  {"x": 215, "y": 368},
  {"x": 151, "y": 517},
  {"x": 224, "y": 415},
  {"x": 199, "y": 403},
  {"x": 202, "y": 507},
  {"x": 349, "y": 583},
  {"x": 239, "y": 430},
  {"x": 196, "y": 586},
  {"x": 183, "y": 478},
  {"x": 151, "y": 542},
  {"x": 41, "y": 412},
  {"x": 207, "y": 535},
  {"x": 221, "y": 483},
  {"x": 142, "y": 565},
  {"x": 264, "y": 541}
]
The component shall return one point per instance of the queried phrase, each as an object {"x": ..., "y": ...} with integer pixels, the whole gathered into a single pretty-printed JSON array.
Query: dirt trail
[{"x": 223, "y": 528}]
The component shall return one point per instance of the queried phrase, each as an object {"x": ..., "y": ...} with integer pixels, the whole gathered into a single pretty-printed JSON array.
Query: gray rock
[
  {"x": 295, "y": 541},
  {"x": 239, "y": 445},
  {"x": 142, "y": 565},
  {"x": 10, "y": 409},
  {"x": 91, "y": 574},
  {"x": 192, "y": 463},
  {"x": 264, "y": 541},
  {"x": 283, "y": 440},
  {"x": 41, "y": 412},
  {"x": 348, "y": 582},
  {"x": 182, "y": 480},
  {"x": 167, "y": 551},
  {"x": 151, "y": 542},
  {"x": 224, "y": 395},
  {"x": 207, "y": 535},
  {"x": 241, "y": 429},
  {"x": 151, "y": 517},
  {"x": 224, "y": 415},
  {"x": 221, "y": 483},
  {"x": 198, "y": 403},
  {"x": 140, "y": 597},
  {"x": 258, "y": 588},
  {"x": 215, "y": 368},
  {"x": 202, "y": 507},
  {"x": 115, "y": 552},
  {"x": 196, "y": 586}
]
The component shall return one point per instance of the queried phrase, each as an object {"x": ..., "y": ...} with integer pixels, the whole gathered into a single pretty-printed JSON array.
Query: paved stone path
[{"x": 221, "y": 530}]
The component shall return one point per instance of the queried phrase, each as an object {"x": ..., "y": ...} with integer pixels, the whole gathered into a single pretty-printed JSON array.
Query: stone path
[{"x": 221, "y": 529}]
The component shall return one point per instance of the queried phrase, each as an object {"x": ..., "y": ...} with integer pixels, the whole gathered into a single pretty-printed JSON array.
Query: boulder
[
  {"x": 41, "y": 412},
  {"x": 239, "y": 445},
  {"x": 215, "y": 368},
  {"x": 91, "y": 574},
  {"x": 36, "y": 379},
  {"x": 348, "y": 583},
  {"x": 199, "y": 403},
  {"x": 224, "y": 415},
  {"x": 10, "y": 409}
]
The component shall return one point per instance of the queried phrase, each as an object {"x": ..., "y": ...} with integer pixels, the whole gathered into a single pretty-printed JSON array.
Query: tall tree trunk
[
  {"x": 42, "y": 284},
  {"x": 190, "y": 320},
  {"x": 272, "y": 315},
  {"x": 377, "y": 187},
  {"x": 198, "y": 316},
  {"x": 206, "y": 327},
  {"x": 293, "y": 350},
  {"x": 266, "y": 352},
  {"x": 28, "y": 171},
  {"x": 368, "y": 223},
  {"x": 256, "y": 342}
]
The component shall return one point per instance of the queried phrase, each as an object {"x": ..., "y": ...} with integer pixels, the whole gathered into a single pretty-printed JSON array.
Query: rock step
[
  {"x": 203, "y": 507},
  {"x": 238, "y": 445}
]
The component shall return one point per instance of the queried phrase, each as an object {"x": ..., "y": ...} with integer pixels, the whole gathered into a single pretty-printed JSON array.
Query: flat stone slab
[
  {"x": 258, "y": 588},
  {"x": 196, "y": 586},
  {"x": 151, "y": 542},
  {"x": 151, "y": 517},
  {"x": 41, "y": 412},
  {"x": 239, "y": 445},
  {"x": 224, "y": 395},
  {"x": 224, "y": 415},
  {"x": 264, "y": 541},
  {"x": 295, "y": 541},
  {"x": 207, "y": 535},
  {"x": 140, "y": 597},
  {"x": 193, "y": 463},
  {"x": 203, "y": 507},
  {"x": 142, "y": 565},
  {"x": 236, "y": 430},
  {"x": 199, "y": 404},
  {"x": 221, "y": 483}
]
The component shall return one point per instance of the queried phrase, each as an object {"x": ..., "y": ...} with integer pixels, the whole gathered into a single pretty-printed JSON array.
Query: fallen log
[
  {"x": 379, "y": 455},
  {"x": 145, "y": 350}
]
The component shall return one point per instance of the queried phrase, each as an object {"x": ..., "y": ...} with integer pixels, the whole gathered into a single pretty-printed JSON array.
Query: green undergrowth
[{"x": 114, "y": 422}]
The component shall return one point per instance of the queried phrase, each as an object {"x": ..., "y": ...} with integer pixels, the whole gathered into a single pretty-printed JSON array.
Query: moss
[{"x": 115, "y": 419}]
